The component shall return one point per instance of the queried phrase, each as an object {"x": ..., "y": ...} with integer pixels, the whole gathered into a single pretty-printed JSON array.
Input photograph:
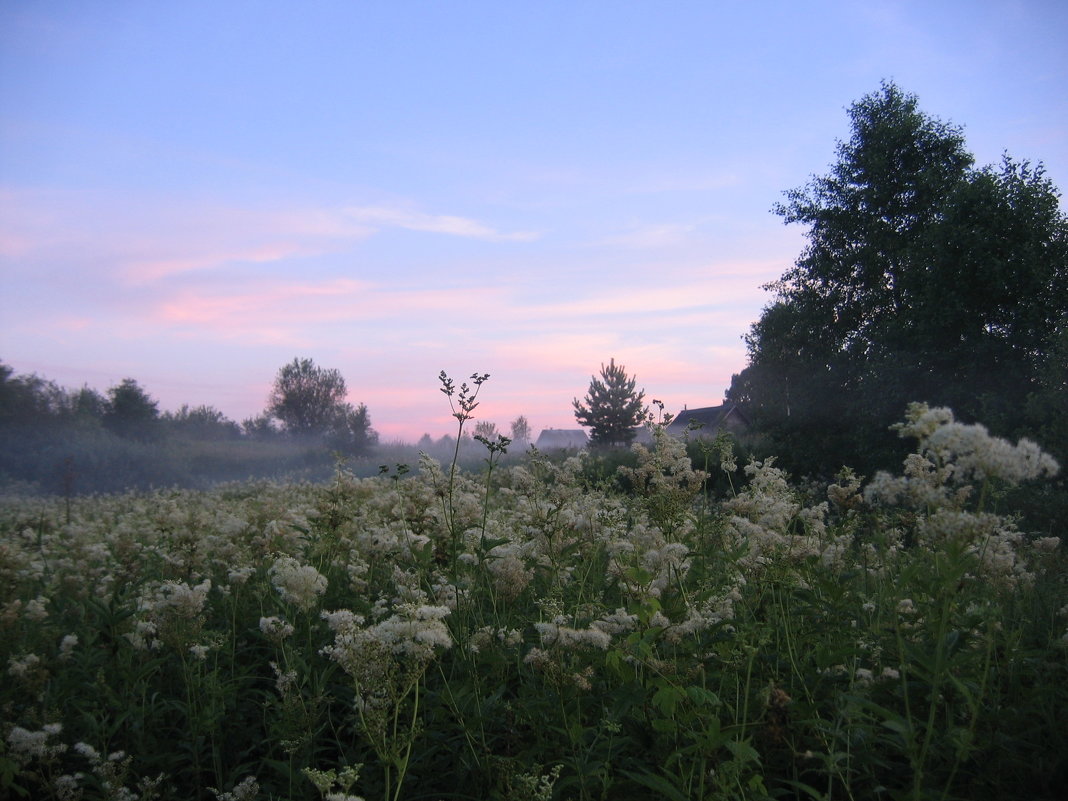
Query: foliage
[
  {"x": 923, "y": 277},
  {"x": 306, "y": 397},
  {"x": 80, "y": 441},
  {"x": 522, "y": 634},
  {"x": 350, "y": 430},
  {"x": 520, "y": 430},
  {"x": 131, "y": 412},
  {"x": 486, "y": 429},
  {"x": 612, "y": 408},
  {"x": 201, "y": 422}
]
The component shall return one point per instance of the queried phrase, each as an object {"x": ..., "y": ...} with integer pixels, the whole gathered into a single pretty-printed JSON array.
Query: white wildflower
[
  {"x": 87, "y": 751},
  {"x": 240, "y": 575},
  {"x": 177, "y": 598},
  {"x": 299, "y": 584},
  {"x": 66, "y": 647},
  {"x": 26, "y": 745},
  {"x": 619, "y": 622},
  {"x": 67, "y": 787},
  {"x": 247, "y": 790},
  {"x": 284, "y": 679},
  {"x": 143, "y": 637},
  {"x": 570, "y": 638},
  {"x": 1046, "y": 544},
  {"x": 23, "y": 666},
  {"x": 275, "y": 628},
  {"x": 36, "y": 610},
  {"x": 342, "y": 620},
  {"x": 906, "y": 607}
]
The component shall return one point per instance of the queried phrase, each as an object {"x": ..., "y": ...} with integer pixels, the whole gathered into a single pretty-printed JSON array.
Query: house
[
  {"x": 555, "y": 439},
  {"x": 708, "y": 421}
]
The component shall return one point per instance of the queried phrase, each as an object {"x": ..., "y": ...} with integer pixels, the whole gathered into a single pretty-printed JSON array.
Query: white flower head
[{"x": 299, "y": 584}]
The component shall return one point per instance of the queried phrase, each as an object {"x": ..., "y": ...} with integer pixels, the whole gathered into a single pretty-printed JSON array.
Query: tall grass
[{"x": 525, "y": 632}]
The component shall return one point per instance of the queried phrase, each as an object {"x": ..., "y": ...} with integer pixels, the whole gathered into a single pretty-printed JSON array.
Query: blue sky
[{"x": 192, "y": 194}]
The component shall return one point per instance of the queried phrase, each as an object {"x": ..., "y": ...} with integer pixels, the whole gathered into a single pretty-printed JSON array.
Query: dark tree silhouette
[
  {"x": 306, "y": 398},
  {"x": 612, "y": 408}
]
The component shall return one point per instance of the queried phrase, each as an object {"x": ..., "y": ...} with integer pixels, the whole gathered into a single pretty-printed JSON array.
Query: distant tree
[
  {"x": 201, "y": 422},
  {"x": 350, "y": 431},
  {"x": 131, "y": 412},
  {"x": 306, "y": 398},
  {"x": 86, "y": 405},
  {"x": 520, "y": 431},
  {"x": 28, "y": 399},
  {"x": 923, "y": 279},
  {"x": 485, "y": 428},
  {"x": 612, "y": 408},
  {"x": 260, "y": 427}
]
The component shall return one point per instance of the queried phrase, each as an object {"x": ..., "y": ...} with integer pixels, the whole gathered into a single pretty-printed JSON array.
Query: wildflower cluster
[{"x": 522, "y": 634}]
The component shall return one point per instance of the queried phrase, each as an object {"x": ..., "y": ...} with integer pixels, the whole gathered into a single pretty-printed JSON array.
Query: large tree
[
  {"x": 309, "y": 401},
  {"x": 306, "y": 398},
  {"x": 612, "y": 408},
  {"x": 923, "y": 278},
  {"x": 131, "y": 412}
]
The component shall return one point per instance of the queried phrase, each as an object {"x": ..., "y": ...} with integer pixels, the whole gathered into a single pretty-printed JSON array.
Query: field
[{"x": 523, "y": 632}]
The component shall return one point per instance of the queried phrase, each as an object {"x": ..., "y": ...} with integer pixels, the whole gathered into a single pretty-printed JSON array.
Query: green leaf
[
  {"x": 703, "y": 697},
  {"x": 657, "y": 783},
  {"x": 664, "y": 725},
  {"x": 666, "y": 699},
  {"x": 808, "y": 789},
  {"x": 743, "y": 751}
]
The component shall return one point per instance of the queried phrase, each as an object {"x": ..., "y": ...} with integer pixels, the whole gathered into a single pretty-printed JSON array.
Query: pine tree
[{"x": 612, "y": 408}]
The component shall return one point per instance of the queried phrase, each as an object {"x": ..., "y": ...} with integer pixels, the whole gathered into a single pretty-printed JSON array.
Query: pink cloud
[
  {"x": 147, "y": 271},
  {"x": 274, "y": 311}
]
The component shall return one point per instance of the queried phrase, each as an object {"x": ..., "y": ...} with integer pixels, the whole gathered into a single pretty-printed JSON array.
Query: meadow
[{"x": 522, "y": 631}]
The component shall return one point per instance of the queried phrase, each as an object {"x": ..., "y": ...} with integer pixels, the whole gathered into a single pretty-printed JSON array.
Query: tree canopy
[
  {"x": 612, "y": 408},
  {"x": 131, "y": 411},
  {"x": 923, "y": 279},
  {"x": 309, "y": 401},
  {"x": 306, "y": 397}
]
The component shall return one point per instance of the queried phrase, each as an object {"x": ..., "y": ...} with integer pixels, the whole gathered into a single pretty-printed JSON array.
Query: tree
[
  {"x": 486, "y": 429},
  {"x": 306, "y": 398},
  {"x": 923, "y": 279},
  {"x": 86, "y": 405},
  {"x": 612, "y": 408},
  {"x": 351, "y": 432},
  {"x": 28, "y": 399},
  {"x": 201, "y": 422},
  {"x": 520, "y": 429},
  {"x": 130, "y": 411},
  {"x": 261, "y": 427}
]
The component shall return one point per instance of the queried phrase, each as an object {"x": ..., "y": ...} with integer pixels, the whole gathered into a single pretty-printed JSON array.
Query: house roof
[
  {"x": 561, "y": 438},
  {"x": 709, "y": 419}
]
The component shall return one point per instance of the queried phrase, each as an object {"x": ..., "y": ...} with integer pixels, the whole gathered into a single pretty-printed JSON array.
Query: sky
[{"x": 194, "y": 194}]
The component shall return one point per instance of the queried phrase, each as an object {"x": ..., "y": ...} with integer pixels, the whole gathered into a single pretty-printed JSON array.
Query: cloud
[
  {"x": 386, "y": 216},
  {"x": 155, "y": 269},
  {"x": 274, "y": 310},
  {"x": 723, "y": 286},
  {"x": 143, "y": 239}
]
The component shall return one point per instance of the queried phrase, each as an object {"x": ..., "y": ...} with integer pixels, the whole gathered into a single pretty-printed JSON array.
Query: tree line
[{"x": 59, "y": 439}]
